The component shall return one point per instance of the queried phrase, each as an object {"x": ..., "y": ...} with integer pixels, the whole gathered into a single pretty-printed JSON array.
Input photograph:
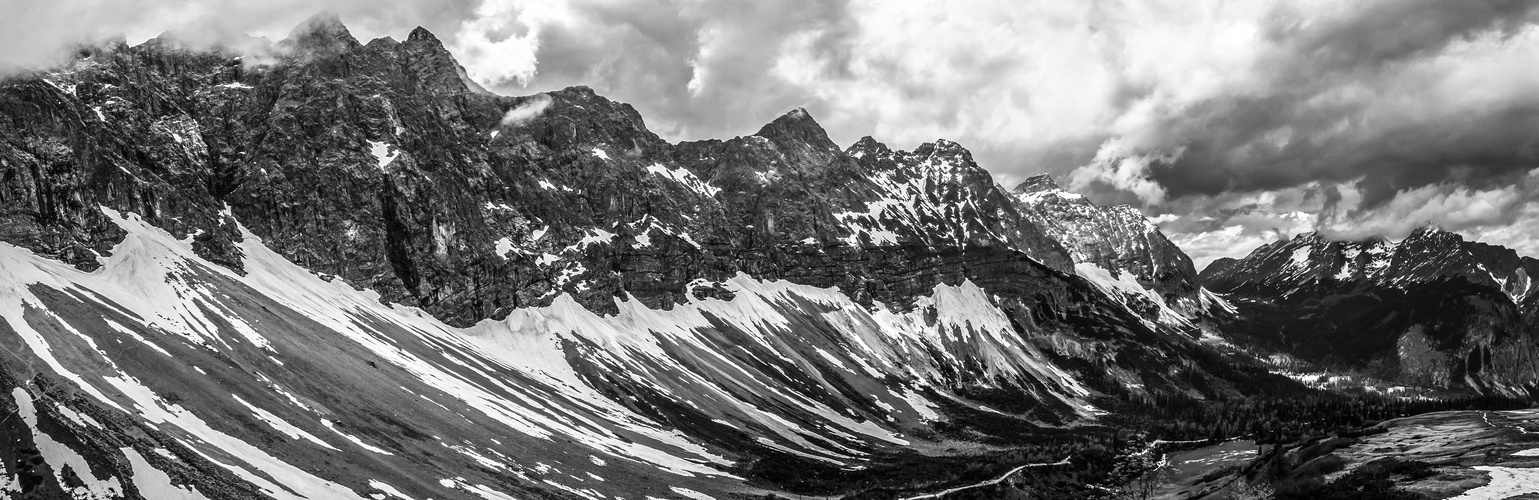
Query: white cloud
[
  {"x": 525, "y": 111},
  {"x": 1519, "y": 235},
  {"x": 499, "y": 43},
  {"x": 1230, "y": 241},
  {"x": 1206, "y": 239},
  {"x": 1114, "y": 165},
  {"x": 1448, "y": 206}
]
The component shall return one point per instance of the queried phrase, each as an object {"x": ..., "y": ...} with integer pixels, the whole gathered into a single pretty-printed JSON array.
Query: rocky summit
[
  {"x": 1116, "y": 242},
  {"x": 323, "y": 268}
]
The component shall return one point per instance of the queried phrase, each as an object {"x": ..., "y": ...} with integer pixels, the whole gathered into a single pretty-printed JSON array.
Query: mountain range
[
  {"x": 335, "y": 269},
  {"x": 1432, "y": 309}
]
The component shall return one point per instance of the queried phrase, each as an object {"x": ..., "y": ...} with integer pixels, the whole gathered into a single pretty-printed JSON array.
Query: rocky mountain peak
[
  {"x": 942, "y": 147},
  {"x": 868, "y": 148},
  {"x": 325, "y": 22},
  {"x": 1130, "y": 212},
  {"x": 435, "y": 69},
  {"x": 797, "y": 127},
  {"x": 578, "y": 117},
  {"x": 1308, "y": 238},
  {"x": 1110, "y": 241},
  {"x": 1219, "y": 266},
  {"x": 1036, "y": 184},
  {"x": 321, "y": 33},
  {"x": 953, "y": 158},
  {"x": 577, "y": 93},
  {"x": 421, "y": 34},
  {"x": 1433, "y": 233}
]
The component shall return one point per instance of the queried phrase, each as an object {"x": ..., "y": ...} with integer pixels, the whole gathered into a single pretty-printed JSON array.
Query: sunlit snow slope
[{"x": 161, "y": 371}]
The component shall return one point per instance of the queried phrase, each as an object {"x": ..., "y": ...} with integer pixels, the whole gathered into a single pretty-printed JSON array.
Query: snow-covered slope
[
  {"x": 281, "y": 383},
  {"x": 278, "y": 376}
]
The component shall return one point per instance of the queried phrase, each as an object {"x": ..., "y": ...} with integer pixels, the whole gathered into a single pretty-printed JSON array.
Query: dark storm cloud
[
  {"x": 1395, "y": 30},
  {"x": 1378, "y": 51}
]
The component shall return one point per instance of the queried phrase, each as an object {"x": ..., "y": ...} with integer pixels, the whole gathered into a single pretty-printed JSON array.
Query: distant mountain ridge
[
  {"x": 1427, "y": 254},
  {"x": 1432, "y": 309}
]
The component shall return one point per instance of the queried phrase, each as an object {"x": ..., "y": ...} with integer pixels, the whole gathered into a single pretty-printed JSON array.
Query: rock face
[
  {"x": 1432, "y": 309},
  {"x": 1116, "y": 240},
  {"x": 302, "y": 269},
  {"x": 378, "y": 164}
]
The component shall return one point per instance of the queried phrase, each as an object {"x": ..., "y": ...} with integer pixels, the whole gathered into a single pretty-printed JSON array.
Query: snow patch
[
  {"x": 594, "y": 236},
  {"x": 684, "y": 177},
  {"x": 384, "y": 153},
  {"x": 504, "y": 245},
  {"x": 691, "y": 494},
  {"x": 78, "y": 418},
  {"x": 282, "y": 426},
  {"x": 354, "y": 439},
  {"x": 1506, "y": 482},
  {"x": 153, "y": 483},
  {"x": 388, "y": 490},
  {"x": 1300, "y": 257},
  {"x": 1121, "y": 286},
  {"x": 60, "y": 456}
]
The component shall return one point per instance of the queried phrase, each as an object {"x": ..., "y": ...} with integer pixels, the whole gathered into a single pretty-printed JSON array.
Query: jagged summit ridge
[
  {"x": 323, "y": 32},
  {"x": 1429, "y": 253},
  {"x": 422, "y": 34},
  {"x": 797, "y": 126},
  {"x": 1036, "y": 183},
  {"x": 867, "y": 145},
  {"x": 1108, "y": 243},
  {"x": 429, "y": 236},
  {"x": 470, "y": 205}
]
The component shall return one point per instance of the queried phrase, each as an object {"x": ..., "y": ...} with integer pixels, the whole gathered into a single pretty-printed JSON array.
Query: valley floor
[{"x": 1463, "y": 455}]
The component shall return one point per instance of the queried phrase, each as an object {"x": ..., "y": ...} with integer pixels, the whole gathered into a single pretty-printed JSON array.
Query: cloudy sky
[{"x": 1230, "y": 123}]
